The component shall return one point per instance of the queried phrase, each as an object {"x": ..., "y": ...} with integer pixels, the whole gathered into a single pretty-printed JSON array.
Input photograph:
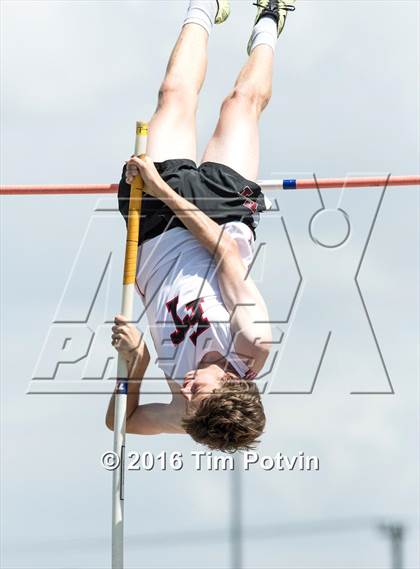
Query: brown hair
[{"x": 231, "y": 418}]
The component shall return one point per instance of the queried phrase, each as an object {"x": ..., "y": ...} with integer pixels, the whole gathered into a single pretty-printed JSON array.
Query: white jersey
[{"x": 177, "y": 281}]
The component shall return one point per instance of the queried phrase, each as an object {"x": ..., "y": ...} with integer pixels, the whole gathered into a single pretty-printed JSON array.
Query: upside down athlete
[{"x": 208, "y": 321}]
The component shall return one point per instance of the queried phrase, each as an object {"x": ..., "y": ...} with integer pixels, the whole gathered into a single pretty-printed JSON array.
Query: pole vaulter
[{"x": 214, "y": 335}]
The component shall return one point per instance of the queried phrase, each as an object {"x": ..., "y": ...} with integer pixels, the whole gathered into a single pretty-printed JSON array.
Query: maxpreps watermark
[{"x": 202, "y": 460}]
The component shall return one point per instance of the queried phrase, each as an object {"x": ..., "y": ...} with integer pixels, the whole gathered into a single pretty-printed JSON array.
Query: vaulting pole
[
  {"x": 120, "y": 409},
  {"x": 290, "y": 184}
]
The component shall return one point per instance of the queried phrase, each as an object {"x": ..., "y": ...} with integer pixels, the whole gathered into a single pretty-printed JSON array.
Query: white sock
[
  {"x": 264, "y": 32},
  {"x": 203, "y": 13}
]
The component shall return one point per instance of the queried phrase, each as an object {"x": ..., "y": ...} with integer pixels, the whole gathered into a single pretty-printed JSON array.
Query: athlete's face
[{"x": 200, "y": 383}]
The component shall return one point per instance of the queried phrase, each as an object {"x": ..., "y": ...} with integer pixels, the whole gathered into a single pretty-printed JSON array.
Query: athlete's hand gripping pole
[{"x": 120, "y": 411}]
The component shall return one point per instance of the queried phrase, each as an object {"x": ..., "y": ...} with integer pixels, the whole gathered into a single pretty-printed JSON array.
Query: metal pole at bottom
[{"x": 236, "y": 538}]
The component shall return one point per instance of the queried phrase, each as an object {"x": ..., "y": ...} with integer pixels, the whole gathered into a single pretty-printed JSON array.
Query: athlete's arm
[
  {"x": 249, "y": 319},
  {"x": 128, "y": 342},
  {"x": 250, "y": 326},
  {"x": 149, "y": 419},
  {"x": 146, "y": 419}
]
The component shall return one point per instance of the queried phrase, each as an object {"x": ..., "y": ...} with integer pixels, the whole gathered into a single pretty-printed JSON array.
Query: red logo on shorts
[{"x": 250, "y": 204}]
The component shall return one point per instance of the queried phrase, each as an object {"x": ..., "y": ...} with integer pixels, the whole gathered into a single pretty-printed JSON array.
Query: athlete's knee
[
  {"x": 249, "y": 96},
  {"x": 175, "y": 94}
]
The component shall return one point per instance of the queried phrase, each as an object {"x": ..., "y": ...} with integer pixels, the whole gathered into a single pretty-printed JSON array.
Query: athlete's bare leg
[
  {"x": 173, "y": 127},
  {"x": 235, "y": 141}
]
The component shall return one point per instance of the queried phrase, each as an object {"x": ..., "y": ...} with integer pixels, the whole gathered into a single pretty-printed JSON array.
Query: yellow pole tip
[{"x": 142, "y": 128}]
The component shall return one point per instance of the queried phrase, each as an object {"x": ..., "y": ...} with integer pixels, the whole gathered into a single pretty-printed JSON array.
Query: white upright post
[{"x": 120, "y": 409}]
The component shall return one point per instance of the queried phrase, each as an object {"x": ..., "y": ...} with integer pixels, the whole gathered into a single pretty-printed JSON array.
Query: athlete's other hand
[
  {"x": 126, "y": 339},
  {"x": 147, "y": 170}
]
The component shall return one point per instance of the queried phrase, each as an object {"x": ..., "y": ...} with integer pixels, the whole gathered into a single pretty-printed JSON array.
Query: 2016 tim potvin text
[{"x": 207, "y": 460}]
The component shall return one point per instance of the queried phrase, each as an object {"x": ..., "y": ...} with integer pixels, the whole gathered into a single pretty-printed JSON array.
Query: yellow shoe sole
[{"x": 223, "y": 11}]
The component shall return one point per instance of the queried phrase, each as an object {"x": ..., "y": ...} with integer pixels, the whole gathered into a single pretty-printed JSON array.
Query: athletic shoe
[
  {"x": 223, "y": 11},
  {"x": 275, "y": 9}
]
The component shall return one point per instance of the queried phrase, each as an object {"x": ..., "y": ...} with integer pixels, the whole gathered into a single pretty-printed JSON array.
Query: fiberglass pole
[{"x": 120, "y": 408}]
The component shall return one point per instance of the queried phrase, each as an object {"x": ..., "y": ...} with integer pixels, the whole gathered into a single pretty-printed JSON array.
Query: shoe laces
[{"x": 287, "y": 7}]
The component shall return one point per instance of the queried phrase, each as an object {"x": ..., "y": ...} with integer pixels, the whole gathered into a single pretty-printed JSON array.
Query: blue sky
[{"x": 75, "y": 78}]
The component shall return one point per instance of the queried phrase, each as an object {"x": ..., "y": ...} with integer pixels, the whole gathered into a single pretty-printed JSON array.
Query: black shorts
[{"x": 217, "y": 190}]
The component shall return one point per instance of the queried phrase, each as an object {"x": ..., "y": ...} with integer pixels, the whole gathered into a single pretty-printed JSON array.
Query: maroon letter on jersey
[{"x": 195, "y": 317}]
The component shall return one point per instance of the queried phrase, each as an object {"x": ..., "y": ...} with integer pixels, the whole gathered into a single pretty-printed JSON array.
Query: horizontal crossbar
[{"x": 288, "y": 184}]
